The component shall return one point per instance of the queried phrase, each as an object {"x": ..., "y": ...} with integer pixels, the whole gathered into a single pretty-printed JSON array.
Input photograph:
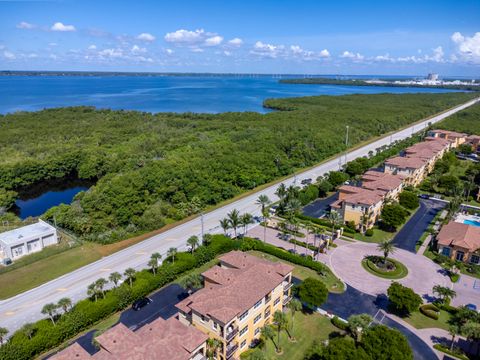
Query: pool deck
[{"x": 467, "y": 219}]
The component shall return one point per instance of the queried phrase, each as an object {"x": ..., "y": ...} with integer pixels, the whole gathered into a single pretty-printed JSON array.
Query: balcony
[
  {"x": 287, "y": 285},
  {"x": 231, "y": 350},
  {"x": 231, "y": 334},
  {"x": 286, "y": 300},
  {"x": 199, "y": 356}
]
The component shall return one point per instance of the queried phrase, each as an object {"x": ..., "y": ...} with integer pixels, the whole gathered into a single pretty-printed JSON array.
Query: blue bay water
[{"x": 201, "y": 94}]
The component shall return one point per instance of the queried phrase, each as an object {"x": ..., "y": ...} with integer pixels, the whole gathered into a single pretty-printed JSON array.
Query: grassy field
[
  {"x": 44, "y": 270},
  {"x": 306, "y": 329},
  {"x": 300, "y": 272},
  {"x": 420, "y": 321}
]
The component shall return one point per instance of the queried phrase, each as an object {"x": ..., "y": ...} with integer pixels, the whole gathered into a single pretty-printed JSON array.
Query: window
[
  {"x": 459, "y": 255},
  {"x": 259, "y": 302},
  {"x": 202, "y": 318},
  {"x": 244, "y": 330},
  {"x": 475, "y": 259},
  {"x": 446, "y": 251},
  {"x": 242, "y": 345},
  {"x": 215, "y": 325},
  {"x": 257, "y": 331},
  {"x": 257, "y": 318},
  {"x": 243, "y": 316},
  {"x": 277, "y": 300}
]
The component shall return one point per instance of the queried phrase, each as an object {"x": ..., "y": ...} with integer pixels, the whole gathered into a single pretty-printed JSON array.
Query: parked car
[
  {"x": 140, "y": 303},
  {"x": 291, "y": 251},
  {"x": 471, "y": 307},
  {"x": 306, "y": 181}
]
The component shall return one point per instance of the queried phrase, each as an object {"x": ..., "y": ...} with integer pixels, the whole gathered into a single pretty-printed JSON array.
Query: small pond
[{"x": 38, "y": 198}]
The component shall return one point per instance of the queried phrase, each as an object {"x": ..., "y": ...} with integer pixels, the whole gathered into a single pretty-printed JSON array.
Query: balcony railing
[
  {"x": 231, "y": 350},
  {"x": 286, "y": 300},
  {"x": 287, "y": 285},
  {"x": 230, "y": 335}
]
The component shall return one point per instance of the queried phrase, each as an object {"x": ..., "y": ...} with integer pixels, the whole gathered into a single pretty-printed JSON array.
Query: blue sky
[{"x": 297, "y": 36}]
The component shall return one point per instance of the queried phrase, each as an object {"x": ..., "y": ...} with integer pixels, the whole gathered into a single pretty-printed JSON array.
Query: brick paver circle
[{"x": 423, "y": 273}]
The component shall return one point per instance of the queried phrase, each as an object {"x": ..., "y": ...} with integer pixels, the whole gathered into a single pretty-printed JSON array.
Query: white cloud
[
  {"x": 52, "y": 44},
  {"x": 267, "y": 50},
  {"x": 438, "y": 54},
  {"x": 183, "y": 36},
  {"x": 169, "y": 51},
  {"x": 468, "y": 48},
  {"x": 25, "y": 25},
  {"x": 92, "y": 47},
  {"x": 146, "y": 37},
  {"x": 196, "y": 50},
  {"x": 9, "y": 55},
  {"x": 351, "y": 55},
  {"x": 214, "y": 40},
  {"x": 324, "y": 53},
  {"x": 138, "y": 50},
  {"x": 111, "y": 53},
  {"x": 227, "y": 53},
  {"x": 385, "y": 57},
  {"x": 235, "y": 42},
  {"x": 58, "y": 26}
]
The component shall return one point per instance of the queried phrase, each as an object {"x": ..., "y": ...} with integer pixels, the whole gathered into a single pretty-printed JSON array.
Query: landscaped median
[
  {"x": 48, "y": 333},
  {"x": 389, "y": 269}
]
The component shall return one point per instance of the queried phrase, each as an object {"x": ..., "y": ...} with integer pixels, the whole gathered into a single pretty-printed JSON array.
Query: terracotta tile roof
[
  {"x": 376, "y": 180},
  {"x": 159, "y": 340},
  {"x": 459, "y": 234},
  {"x": 406, "y": 162},
  {"x": 246, "y": 280},
  {"x": 452, "y": 134},
  {"x": 358, "y": 195}
]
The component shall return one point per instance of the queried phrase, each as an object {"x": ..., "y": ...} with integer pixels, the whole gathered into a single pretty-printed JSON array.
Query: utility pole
[
  {"x": 346, "y": 146},
  {"x": 201, "y": 220}
]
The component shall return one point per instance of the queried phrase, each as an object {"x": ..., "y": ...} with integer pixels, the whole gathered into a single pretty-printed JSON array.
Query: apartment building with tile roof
[
  {"x": 460, "y": 242},
  {"x": 240, "y": 296}
]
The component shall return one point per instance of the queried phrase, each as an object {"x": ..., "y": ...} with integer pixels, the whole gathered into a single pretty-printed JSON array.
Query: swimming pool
[{"x": 471, "y": 222}]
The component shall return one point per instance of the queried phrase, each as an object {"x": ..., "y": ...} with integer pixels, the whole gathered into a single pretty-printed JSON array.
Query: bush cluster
[
  {"x": 430, "y": 310},
  {"x": 342, "y": 325}
]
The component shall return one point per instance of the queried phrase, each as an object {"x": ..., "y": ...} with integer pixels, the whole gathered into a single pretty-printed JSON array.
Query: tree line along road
[{"x": 26, "y": 307}]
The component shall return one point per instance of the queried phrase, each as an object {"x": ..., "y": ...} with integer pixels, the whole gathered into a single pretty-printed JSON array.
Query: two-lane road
[{"x": 25, "y": 307}]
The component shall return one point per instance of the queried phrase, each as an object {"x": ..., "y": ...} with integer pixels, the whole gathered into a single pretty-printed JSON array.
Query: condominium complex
[
  {"x": 159, "y": 340},
  {"x": 240, "y": 296},
  {"x": 362, "y": 204},
  {"x": 460, "y": 242}
]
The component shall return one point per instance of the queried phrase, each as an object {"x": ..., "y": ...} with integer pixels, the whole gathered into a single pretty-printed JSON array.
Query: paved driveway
[
  {"x": 411, "y": 232},
  {"x": 468, "y": 291},
  {"x": 423, "y": 273},
  {"x": 319, "y": 207}
]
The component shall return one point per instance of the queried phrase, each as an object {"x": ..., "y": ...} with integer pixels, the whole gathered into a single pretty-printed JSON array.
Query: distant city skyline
[{"x": 294, "y": 37}]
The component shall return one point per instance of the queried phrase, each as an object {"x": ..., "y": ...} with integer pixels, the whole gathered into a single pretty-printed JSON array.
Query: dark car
[
  {"x": 291, "y": 251},
  {"x": 471, "y": 307},
  {"x": 306, "y": 181},
  {"x": 140, "y": 303}
]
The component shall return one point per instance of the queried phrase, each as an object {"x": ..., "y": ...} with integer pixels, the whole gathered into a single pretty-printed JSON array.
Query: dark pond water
[{"x": 36, "y": 199}]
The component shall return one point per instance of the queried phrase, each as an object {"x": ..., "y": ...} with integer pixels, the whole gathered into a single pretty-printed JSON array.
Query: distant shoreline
[{"x": 360, "y": 82}]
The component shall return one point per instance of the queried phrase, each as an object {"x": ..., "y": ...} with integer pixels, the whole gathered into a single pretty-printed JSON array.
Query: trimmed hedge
[
  {"x": 430, "y": 311},
  {"x": 342, "y": 325},
  {"x": 447, "y": 351},
  {"x": 323, "y": 222}
]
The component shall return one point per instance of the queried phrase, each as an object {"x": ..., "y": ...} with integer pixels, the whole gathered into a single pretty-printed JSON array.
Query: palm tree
[
  {"x": 295, "y": 223},
  {"x": 387, "y": 248},
  {"x": 172, "y": 252},
  {"x": 334, "y": 218},
  {"x": 444, "y": 293},
  {"x": 293, "y": 206},
  {"x": 212, "y": 347},
  {"x": 3, "y": 333},
  {"x": 246, "y": 219},
  {"x": 157, "y": 257},
  {"x": 191, "y": 282},
  {"x": 281, "y": 191},
  {"x": 28, "y": 329},
  {"x": 453, "y": 331},
  {"x": 130, "y": 275},
  {"x": 268, "y": 334},
  {"x": 294, "y": 305},
  {"x": 263, "y": 201},
  {"x": 193, "y": 241},
  {"x": 115, "y": 277},
  {"x": 279, "y": 321},
  {"x": 65, "y": 303},
  {"x": 100, "y": 285},
  {"x": 153, "y": 264},
  {"x": 50, "y": 309},
  {"x": 92, "y": 291},
  {"x": 225, "y": 225},
  {"x": 266, "y": 218},
  {"x": 234, "y": 220}
]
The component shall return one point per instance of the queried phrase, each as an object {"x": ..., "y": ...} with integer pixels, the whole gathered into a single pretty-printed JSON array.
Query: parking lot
[{"x": 319, "y": 207}]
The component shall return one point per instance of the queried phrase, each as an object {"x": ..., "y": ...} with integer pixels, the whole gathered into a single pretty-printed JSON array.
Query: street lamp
[{"x": 346, "y": 145}]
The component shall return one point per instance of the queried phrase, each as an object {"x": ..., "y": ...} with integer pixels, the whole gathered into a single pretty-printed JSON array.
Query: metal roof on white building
[{"x": 29, "y": 231}]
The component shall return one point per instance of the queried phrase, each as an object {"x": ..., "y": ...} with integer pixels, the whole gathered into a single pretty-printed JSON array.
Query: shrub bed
[
  {"x": 430, "y": 311},
  {"x": 399, "y": 271},
  {"x": 323, "y": 222},
  {"x": 342, "y": 325},
  {"x": 447, "y": 350}
]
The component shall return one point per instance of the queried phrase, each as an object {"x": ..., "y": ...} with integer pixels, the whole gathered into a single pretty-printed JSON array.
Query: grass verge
[{"x": 420, "y": 321}]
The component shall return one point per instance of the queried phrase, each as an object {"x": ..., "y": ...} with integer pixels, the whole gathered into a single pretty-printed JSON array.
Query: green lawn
[
  {"x": 27, "y": 277},
  {"x": 420, "y": 321},
  {"x": 300, "y": 272},
  {"x": 378, "y": 236},
  {"x": 306, "y": 329},
  {"x": 400, "y": 271}
]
